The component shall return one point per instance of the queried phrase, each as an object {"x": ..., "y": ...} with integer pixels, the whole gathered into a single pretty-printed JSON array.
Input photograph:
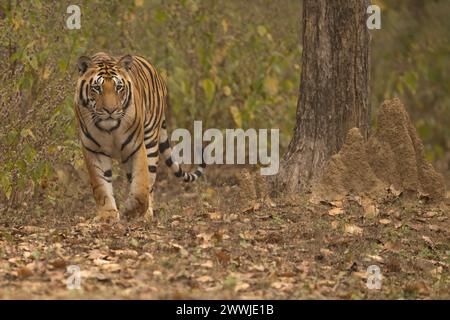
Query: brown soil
[
  {"x": 392, "y": 159},
  {"x": 222, "y": 238}
]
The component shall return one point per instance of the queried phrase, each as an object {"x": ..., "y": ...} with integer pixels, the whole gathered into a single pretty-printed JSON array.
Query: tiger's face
[{"x": 105, "y": 89}]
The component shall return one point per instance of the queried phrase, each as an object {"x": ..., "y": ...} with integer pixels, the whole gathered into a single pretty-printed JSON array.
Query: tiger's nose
[{"x": 110, "y": 109}]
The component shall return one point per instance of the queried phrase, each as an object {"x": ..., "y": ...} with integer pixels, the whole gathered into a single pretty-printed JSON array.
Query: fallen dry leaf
[
  {"x": 183, "y": 251},
  {"x": 58, "y": 263},
  {"x": 241, "y": 286},
  {"x": 215, "y": 215},
  {"x": 335, "y": 211},
  {"x": 394, "y": 191},
  {"x": 32, "y": 229},
  {"x": 96, "y": 254},
  {"x": 337, "y": 203},
  {"x": 126, "y": 253},
  {"x": 334, "y": 225},
  {"x": 205, "y": 237},
  {"x": 428, "y": 241},
  {"x": 397, "y": 224},
  {"x": 256, "y": 267},
  {"x": 111, "y": 267},
  {"x": 430, "y": 214},
  {"x": 24, "y": 272},
  {"x": 204, "y": 279},
  {"x": 434, "y": 227},
  {"x": 282, "y": 286},
  {"x": 353, "y": 229},
  {"x": 326, "y": 252},
  {"x": 375, "y": 258},
  {"x": 207, "y": 264},
  {"x": 393, "y": 246},
  {"x": 223, "y": 257},
  {"x": 369, "y": 208},
  {"x": 254, "y": 207},
  {"x": 99, "y": 262}
]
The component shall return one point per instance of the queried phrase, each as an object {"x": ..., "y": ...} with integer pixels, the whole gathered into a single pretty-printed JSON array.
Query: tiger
[{"x": 120, "y": 105}]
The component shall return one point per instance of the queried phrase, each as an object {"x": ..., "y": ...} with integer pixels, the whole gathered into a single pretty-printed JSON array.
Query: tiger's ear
[
  {"x": 125, "y": 62},
  {"x": 83, "y": 64}
]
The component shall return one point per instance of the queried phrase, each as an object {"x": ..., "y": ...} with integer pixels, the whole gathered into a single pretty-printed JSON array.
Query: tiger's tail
[{"x": 166, "y": 152}]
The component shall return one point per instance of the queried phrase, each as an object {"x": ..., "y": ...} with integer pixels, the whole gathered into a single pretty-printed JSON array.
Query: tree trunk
[{"x": 334, "y": 88}]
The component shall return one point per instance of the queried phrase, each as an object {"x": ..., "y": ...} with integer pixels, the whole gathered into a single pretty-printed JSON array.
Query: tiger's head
[{"x": 104, "y": 88}]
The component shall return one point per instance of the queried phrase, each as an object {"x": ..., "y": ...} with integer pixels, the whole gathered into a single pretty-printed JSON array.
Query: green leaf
[
  {"x": 237, "y": 116},
  {"x": 209, "y": 88},
  {"x": 271, "y": 85},
  {"x": 262, "y": 31}
]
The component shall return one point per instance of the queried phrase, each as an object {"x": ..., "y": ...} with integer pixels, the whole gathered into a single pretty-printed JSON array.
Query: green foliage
[{"x": 227, "y": 63}]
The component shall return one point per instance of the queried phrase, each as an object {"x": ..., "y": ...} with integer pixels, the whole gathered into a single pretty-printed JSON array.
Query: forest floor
[{"x": 208, "y": 241}]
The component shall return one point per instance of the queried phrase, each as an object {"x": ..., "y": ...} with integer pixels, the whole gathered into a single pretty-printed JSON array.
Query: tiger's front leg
[
  {"x": 137, "y": 202},
  {"x": 100, "y": 173}
]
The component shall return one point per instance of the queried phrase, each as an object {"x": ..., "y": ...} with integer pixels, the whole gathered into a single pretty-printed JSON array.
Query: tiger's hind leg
[
  {"x": 100, "y": 173},
  {"x": 151, "y": 146},
  {"x": 137, "y": 201}
]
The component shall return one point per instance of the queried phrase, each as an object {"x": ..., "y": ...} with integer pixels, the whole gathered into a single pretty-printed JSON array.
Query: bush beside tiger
[{"x": 120, "y": 105}]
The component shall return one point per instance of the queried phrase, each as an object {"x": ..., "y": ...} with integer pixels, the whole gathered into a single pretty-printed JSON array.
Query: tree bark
[{"x": 334, "y": 88}]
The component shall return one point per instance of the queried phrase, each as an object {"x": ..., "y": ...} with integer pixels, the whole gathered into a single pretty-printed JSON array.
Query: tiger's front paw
[
  {"x": 148, "y": 216},
  {"x": 107, "y": 216},
  {"x": 135, "y": 207}
]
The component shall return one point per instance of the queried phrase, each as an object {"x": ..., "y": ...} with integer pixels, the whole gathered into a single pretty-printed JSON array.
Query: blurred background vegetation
[{"x": 229, "y": 63}]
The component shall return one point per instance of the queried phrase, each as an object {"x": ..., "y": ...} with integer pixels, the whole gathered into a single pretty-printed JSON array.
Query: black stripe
[
  {"x": 151, "y": 144},
  {"x": 163, "y": 146},
  {"x": 148, "y": 69},
  {"x": 153, "y": 125},
  {"x": 169, "y": 162},
  {"x": 198, "y": 173},
  {"x": 132, "y": 154},
  {"x": 154, "y": 85},
  {"x": 152, "y": 154},
  {"x": 146, "y": 123},
  {"x": 83, "y": 102},
  {"x": 127, "y": 103},
  {"x": 134, "y": 122},
  {"x": 146, "y": 100},
  {"x": 88, "y": 135},
  {"x": 152, "y": 169},
  {"x": 129, "y": 138},
  {"x": 87, "y": 95},
  {"x": 148, "y": 130},
  {"x": 129, "y": 177},
  {"x": 107, "y": 180},
  {"x": 96, "y": 152},
  {"x": 179, "y": 173}
]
